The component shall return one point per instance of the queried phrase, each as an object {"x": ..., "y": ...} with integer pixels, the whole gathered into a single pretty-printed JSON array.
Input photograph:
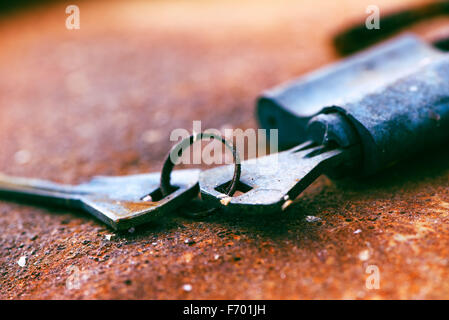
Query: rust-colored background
[{"x": 103, "y": 100}]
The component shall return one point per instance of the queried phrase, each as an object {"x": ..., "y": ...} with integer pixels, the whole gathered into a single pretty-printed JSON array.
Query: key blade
[
  {"x": 121, "y": 202},
  {"x": 273, "y": 181},
  {"x": 123, "y": 205},
  {"x": 36, "y": 190}
]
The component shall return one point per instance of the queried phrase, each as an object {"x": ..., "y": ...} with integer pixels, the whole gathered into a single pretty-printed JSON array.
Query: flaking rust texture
[{"x": 104, "y": 99}]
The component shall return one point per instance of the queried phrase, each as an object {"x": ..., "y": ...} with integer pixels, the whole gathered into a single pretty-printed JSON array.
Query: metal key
[
  {"x": 121, "y": 202},
  {"x": 270, "y": 184}
]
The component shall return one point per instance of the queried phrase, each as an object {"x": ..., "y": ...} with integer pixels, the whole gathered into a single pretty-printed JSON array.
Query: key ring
[{"x": 176, "y": 153}]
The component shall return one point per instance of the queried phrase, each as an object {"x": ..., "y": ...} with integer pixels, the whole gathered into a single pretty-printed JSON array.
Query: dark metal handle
[{"x": 407, "y": 116}]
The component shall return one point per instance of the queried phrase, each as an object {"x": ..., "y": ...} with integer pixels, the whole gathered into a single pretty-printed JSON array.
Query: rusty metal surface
[{"x": 102, "y": 101}]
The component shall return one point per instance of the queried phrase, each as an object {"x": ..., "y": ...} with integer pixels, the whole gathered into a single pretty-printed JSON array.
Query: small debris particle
[
  {"x": 357, "y": 231},
  {"x": 73, "y": 255},
  {"x": 413, "y": 88},
  {"x": 187, "y": 287},
  {"x": 108, "y": 237},
  {"x": 131, "y": 230},
  {"x": 312, "y": 219},
  {"x": 22, "y": 157},
  {"x": 364, "y": 255},
  {"x": 225, "y": 201},
  {"x": 286, "y": 204},
  {"x": 86, "y": 242},
  {"x": 189, "y": 241},
  {"x": 33, "y": 237},
  {"x": 22, "y": 261},
  {"x": 216, "y": 257}
]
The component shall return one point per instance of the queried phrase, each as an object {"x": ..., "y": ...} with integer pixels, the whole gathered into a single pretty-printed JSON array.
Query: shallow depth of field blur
[{"x": 102, "y": 100}]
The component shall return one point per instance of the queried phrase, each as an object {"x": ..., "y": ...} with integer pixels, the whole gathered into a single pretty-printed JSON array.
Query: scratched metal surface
[{"x": 102, "y": 101}]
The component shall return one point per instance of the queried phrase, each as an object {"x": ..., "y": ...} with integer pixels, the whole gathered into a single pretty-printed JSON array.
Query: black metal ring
[{"x": 176, "y": 153}]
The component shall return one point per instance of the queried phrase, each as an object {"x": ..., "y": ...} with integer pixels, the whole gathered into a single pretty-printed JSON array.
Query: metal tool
[
  {"x": 358, "y": 116},
  {"x": 121, "y": 202},
  {"x": 125, "y": 201},
  {"x": 273, "y": 181}
]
